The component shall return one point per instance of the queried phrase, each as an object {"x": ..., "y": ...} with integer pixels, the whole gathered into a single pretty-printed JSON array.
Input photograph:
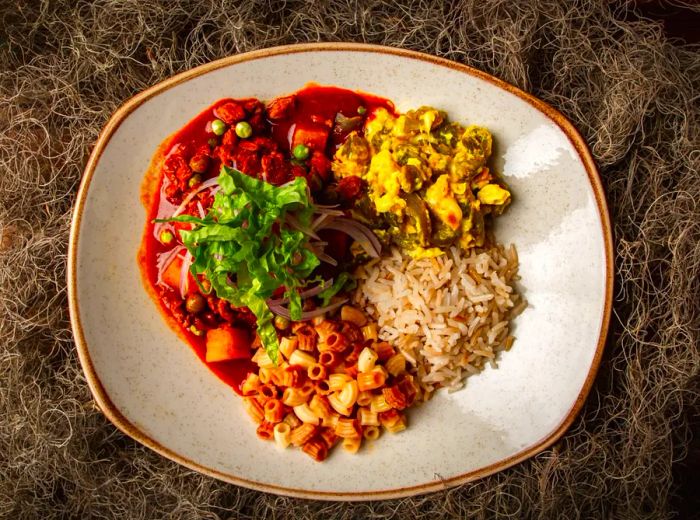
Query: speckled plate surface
[{"x": 153, "y": 387}]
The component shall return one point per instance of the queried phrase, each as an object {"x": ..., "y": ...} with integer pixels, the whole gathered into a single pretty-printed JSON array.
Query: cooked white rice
[{"x": 448, "y": 315}]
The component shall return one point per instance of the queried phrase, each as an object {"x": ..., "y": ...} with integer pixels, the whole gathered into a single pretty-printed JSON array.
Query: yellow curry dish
[{"x": 428, "y": 185}]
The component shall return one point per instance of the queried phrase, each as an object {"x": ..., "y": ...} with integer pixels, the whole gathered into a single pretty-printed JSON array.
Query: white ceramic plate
[{"x": 152, "y": 386}]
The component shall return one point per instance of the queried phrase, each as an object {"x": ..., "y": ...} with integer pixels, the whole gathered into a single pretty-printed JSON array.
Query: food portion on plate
[{"x": 329, "y": 258}]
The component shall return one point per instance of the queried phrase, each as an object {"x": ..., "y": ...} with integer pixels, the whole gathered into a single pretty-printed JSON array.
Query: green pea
[
  {"x": 199, "y": 163},
  {"x": 195, "y": 303},
  {"x": 218, "y": 127},
  {"x": 281, "y": 322},
  {"x": 166, "y": 237},
  {"x": 244, "y": 130},
  {"x": 194, "y": 180},
  {"x": 301, "y": 152},
  {"x": 361, "y": 110}
]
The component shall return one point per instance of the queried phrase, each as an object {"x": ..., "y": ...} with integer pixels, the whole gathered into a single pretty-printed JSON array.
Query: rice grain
[{"x": 449, "y": 315}]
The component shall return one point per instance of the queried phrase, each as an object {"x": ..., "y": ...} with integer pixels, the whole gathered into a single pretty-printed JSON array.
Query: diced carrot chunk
[
  {"x": 171, "y": 275},
  {"x": 227, "y": 343},
  {"x": 313, "y": 136}
]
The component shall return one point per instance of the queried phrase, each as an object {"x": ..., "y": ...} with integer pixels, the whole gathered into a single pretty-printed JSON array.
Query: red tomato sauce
[
  {"x": 318, "y": 106},
  {"x": 196, "y": 152}
]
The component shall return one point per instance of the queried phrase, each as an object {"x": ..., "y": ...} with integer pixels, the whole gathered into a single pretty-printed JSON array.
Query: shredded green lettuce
[
  {"x": 343, "y": 282},
  {"x": 246, "y": 249}
]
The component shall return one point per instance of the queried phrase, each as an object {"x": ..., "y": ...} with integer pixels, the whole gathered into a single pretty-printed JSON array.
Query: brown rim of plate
[{"x": 126, "y": 426}]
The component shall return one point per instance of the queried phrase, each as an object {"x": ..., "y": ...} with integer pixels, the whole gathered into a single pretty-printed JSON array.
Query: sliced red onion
[
  {"x": 200, "y": 209},
  {"x": 322, "y": 210},
  {"x": 319, "y": 220},
  {"x": 306, "y": 294},
  {"x": 184, "y": 279},
  {"x": 210, "y": 183},
  {"x": 370, "y": 234},
  {"x": 284, "y": 312},
  {"x": 159, "y": 227},
  {"x": 294, "y": 222},
  {"x": 323, "y": 257},
  {"x": 290, "y": 134},
  {"x": 358, "y": 232},
  {"x": 174, "y": 149},
  {"x": 165, "y": 259},
  {"x": 317, "y": 249}
]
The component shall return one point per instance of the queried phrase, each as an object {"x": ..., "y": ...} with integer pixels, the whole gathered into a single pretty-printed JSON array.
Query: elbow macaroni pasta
[
  {"x": 335, "y": 383},
  {"x": 287, "y": 346},
  {"x": 283, "y": 434},
  {"x": 366, "y": 360}
]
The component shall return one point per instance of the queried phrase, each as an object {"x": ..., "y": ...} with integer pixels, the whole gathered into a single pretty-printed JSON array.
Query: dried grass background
[{"x": 65, "y": 66}]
